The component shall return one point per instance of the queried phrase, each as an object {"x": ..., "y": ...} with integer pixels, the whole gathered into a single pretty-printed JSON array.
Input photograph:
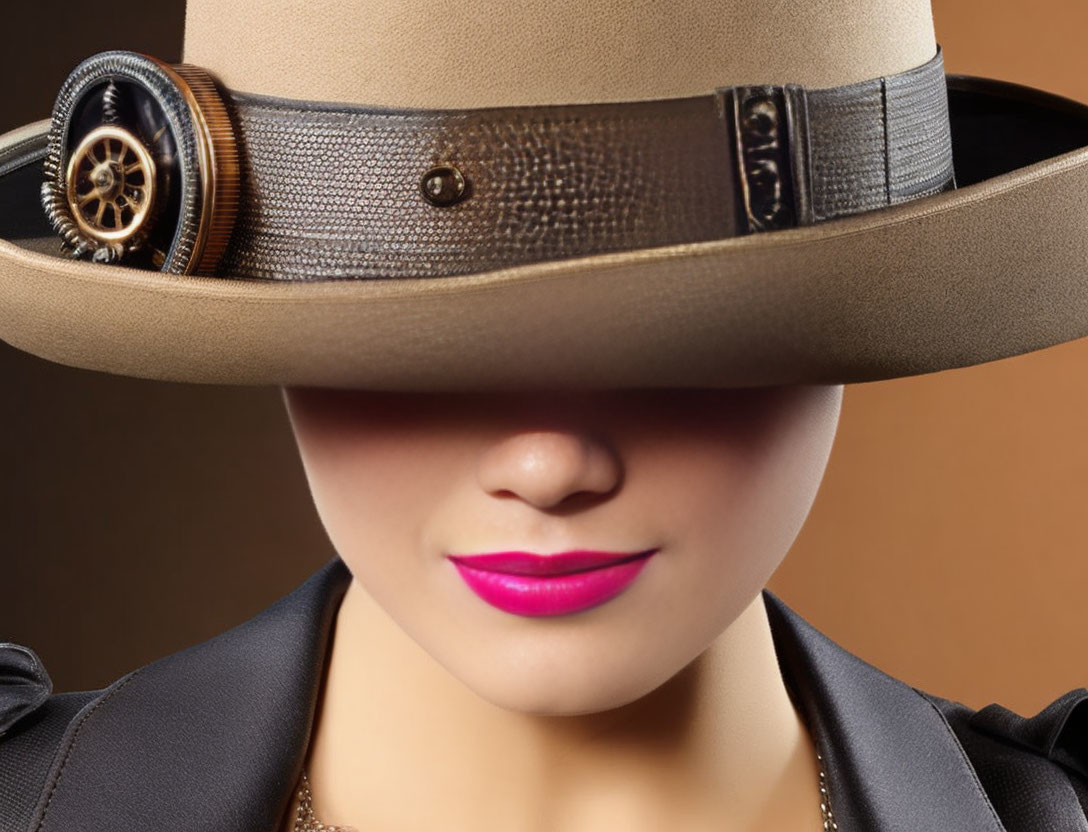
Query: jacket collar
[{"x": 214, "y": 737}]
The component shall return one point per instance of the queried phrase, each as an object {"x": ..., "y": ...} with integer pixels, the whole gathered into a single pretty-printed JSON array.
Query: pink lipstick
[{"x": 524, "y": 583}]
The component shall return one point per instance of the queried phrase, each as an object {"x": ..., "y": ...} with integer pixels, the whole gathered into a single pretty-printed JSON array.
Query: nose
[{"x": 545, "y": 468}]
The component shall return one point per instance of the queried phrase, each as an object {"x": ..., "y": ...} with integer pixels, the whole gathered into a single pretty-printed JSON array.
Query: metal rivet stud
[{"x": 443, "y": 185}]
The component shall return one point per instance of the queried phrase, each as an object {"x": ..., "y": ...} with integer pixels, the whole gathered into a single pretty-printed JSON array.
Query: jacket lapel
[
  {"x": 210, "y": 739},
  {"x": 892, "y": 761},
  {"x": 213, "y": 738}
]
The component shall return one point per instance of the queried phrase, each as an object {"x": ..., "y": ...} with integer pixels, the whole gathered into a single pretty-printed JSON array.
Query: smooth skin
[{"x": 661, "y": 709}]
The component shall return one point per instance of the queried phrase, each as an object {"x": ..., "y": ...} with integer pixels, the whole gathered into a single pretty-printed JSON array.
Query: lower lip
[{"x": 552, "y": 594}]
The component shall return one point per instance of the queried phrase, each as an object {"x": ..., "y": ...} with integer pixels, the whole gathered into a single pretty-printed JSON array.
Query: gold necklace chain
[
  {"x": 825, "y": 798},
  {"x": 306, "y": 822},
  {"x": 304, "y": 817}
]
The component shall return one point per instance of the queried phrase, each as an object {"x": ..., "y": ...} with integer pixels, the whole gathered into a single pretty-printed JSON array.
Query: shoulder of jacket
[
  {"x": 34, "y": 722},
  {"x": 1028, "y": 765}
]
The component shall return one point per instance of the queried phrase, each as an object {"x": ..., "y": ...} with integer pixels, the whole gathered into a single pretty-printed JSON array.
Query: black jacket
[{"x": 212, "y": 738}]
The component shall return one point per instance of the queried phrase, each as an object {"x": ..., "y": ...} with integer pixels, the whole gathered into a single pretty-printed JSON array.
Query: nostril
[
  {"x": 573, "y": 502},
  {"x": 581, "y": 500}
]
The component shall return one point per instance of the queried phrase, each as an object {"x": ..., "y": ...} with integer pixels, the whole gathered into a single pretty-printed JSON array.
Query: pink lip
[{"x": 535, "y": 585}]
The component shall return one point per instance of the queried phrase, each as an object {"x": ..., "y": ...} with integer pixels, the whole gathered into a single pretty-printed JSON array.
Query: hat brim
[{"x": 995, "y": 268}]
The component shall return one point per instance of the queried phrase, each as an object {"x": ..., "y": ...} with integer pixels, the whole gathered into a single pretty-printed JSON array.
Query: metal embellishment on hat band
[
  {"x": 141, "y": 165},
  {"x": 331, "y": 191}
]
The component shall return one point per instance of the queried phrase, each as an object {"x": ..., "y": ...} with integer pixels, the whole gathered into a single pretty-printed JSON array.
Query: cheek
[
  {"x": 378, "y": 488},
  {"x": 372, "y": 488},
  {"x": 345, "y": 471},
  {"x": 715, "y": 504},
  {"x": 735, "y": 505}
]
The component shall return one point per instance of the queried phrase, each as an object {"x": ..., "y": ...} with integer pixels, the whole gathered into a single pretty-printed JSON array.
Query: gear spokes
[{"x": 110, "y": 184}]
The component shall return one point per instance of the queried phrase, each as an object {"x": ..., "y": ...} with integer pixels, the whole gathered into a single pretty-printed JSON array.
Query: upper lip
[{"x": 561, "y": 563}]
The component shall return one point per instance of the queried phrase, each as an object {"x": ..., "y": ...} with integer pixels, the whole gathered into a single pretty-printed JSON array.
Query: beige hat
[{"x": 420, "y": 195}]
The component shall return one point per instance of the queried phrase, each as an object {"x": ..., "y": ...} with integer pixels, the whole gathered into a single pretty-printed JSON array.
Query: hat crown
[{"x": 494, "y": 53}]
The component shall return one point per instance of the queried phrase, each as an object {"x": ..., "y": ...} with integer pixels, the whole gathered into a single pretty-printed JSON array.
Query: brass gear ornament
[
  {"x": 110, "y": 184},
  {"x": 142, "y": 165}
]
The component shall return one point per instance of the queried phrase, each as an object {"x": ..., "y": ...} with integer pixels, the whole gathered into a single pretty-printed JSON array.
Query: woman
[
  {"x": 633, "y": 689},
  {"x": 564, "y": 358}
]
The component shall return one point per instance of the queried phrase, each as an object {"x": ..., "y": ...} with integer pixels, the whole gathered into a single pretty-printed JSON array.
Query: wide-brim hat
[{"x": 498, "y": 196}]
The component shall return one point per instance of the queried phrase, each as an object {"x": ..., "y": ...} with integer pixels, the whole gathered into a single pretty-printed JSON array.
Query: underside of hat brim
[{"x": 996, "y": 268}]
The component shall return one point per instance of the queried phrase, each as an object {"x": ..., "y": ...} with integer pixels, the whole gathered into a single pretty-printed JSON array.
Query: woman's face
[{"x": 715, "y": 483}]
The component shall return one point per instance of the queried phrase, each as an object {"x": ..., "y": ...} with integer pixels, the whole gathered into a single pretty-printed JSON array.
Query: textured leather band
[{"x": 333, "y": 191}]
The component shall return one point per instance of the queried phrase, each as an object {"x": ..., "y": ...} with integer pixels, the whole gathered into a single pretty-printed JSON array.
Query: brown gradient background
[{"x": 947, "y": 545}]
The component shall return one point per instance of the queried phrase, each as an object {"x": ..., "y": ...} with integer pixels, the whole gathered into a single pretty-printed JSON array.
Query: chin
[
  {"x": 579, "y": 700},
  {"x": 571, "y": 690}
]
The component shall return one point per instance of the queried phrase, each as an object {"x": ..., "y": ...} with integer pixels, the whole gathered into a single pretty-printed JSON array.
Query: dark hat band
[{"x": 331, "y": 191}]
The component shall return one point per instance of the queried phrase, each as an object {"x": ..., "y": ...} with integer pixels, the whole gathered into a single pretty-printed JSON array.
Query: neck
[{"x": 400, "y": 743}]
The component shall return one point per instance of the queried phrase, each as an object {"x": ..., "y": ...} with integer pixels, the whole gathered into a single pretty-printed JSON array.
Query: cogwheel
[{"x": 111, "y": 184}]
